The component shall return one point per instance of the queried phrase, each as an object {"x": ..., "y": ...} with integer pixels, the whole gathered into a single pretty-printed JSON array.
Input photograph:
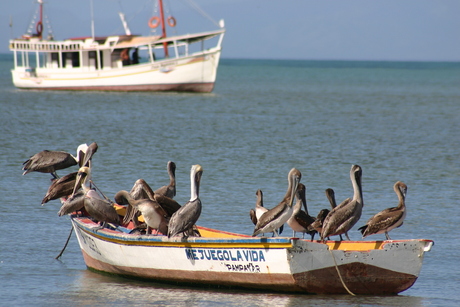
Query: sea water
[{"x": 397, "y": 120}]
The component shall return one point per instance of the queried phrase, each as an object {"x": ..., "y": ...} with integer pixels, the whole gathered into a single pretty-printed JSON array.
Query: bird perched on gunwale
[
  {"x": 343, "y": 217},
  {"x": 184, "y": 219},
  {"x": 274, "y": 218},
  {"x": 98, "y": 207},
  {"x": 300, "y": 220},
  {"x": 390, "y": 218}
]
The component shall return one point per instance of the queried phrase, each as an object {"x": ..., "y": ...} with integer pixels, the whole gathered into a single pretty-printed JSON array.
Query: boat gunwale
[{"x": 238, "y": 241}]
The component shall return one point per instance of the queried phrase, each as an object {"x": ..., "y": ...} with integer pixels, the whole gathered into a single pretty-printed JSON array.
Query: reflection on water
[{"x": 95, "y": 289}]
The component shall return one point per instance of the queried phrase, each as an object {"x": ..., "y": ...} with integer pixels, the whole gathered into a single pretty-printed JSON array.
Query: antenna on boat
[
  {"x": 125, "y": 24},
  {"x": 11, "y": 26},
  {"x": 92, "y": 19}
]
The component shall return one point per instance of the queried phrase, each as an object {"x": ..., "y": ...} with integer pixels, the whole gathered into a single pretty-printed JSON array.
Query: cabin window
[
  {"x": 55, "y": 59},
  {"x": 93, "y": 59}
]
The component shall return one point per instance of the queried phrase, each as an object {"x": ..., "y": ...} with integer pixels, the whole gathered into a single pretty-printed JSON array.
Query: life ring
[
  {"x": 171, "y": 21},
  {"x": 154, "y": 22},
  {"x": 39, "y": 28}
]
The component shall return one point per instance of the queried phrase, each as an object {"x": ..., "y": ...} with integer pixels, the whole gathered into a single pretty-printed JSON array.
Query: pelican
[
  {"x": 141, "y": 190},
  {"x": 183, "y": 220},
  {"x": 170, "y": 189},
  {"x": 73, "y": 203},
  {"x": 88, "y": 154},
  {"x": 61, "y": 187},
  {"x": 97, "y": 207},
  {"x": 48, "y": 161},
  {"x": 388, "y": 219},
  {"x": 154, "y": 215},
  {"x": 300, "y": 220},
  {"x": 318, "y": 223},
  {"x": 256, "y": 213},
  {"x": 64, "y": 186},
  {"x": 274, "y": 218},
  {"x": 343, "y": 217},
  {"x": 330, "y": 194}
]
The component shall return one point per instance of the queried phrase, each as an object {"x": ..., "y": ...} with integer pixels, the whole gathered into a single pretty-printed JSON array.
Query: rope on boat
[
  {"x": 340, "y": 275},
  {"x": 67, "y": 242},
  {"x": 103, "y": 195}
]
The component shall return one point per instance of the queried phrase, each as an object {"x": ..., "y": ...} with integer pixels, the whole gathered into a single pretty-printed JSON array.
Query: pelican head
[
  {"x": 195, "y": 177},
  {"x": 81, "y": 151},
  {"x": 294, "y": 177},
  {"x": 82, "y": 175}
]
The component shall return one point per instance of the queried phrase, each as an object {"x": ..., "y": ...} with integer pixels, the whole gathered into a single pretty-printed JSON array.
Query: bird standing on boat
[
  {"x": 74, "y": 203},
  {"x": 274, "y": 218},
  {"x": 183, "y": 220},
  {"x": 48, "y": 161},
  {"x": 318, "y": 223},
  {"x": 141, "y": 190},
  {"x": 257, "y": 212},
  {"x": 259, "y": 209},
  {"x": 300, "y": 220},
  {"x": 390, "y": 218},
  {"x": 170, "y": 189},
  {"x": 154, "y": 215},
  {"x": 343, "y": 217},
  {"x": 99, "y": 208}
]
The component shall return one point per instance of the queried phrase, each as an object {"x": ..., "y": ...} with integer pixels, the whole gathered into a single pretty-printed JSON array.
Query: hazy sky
[{"x": 415, "y": 30}]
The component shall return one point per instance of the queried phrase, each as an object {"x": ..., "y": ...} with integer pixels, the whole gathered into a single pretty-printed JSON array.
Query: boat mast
[
  {"x": 39, "y": 25},
  {"x": 163, "y": 26}
]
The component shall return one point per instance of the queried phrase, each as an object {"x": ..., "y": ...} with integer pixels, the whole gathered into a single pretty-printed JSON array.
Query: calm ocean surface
[{"x": 398, "y": 121}]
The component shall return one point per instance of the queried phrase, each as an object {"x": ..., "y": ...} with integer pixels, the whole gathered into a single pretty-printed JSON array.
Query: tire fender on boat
[
  {"x": 171, "y": 21},
  {"x": 154, "y": 22}
]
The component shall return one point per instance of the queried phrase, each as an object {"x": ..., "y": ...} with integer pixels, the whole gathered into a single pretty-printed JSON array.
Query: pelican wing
[
  {"x": 61, "y": 187},
  {"x": 72, "y": 204},
  {"x": 168, "y": 204},
  {"x": 185, "y": 217}
]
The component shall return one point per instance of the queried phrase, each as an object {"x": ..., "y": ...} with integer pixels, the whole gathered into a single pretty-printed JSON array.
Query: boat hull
[
  {"x": 189, "y": 74},
  {"x": 276, "y": 264}
]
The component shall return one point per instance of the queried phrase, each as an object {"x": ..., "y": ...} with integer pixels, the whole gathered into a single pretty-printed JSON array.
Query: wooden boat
[
  {"x": 224, "y": 259},
  {"x": 111, "y": 63}
]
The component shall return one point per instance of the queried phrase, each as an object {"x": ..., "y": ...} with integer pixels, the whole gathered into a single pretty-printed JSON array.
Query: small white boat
[
  {"x": 111, "y": 63},
  {"x": 224, "y": 259}
]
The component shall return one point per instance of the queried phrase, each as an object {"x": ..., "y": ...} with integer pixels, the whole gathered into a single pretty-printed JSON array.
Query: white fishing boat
[
  {"x": 112, "y": 63},
  {"x": 224, "y": 259}
]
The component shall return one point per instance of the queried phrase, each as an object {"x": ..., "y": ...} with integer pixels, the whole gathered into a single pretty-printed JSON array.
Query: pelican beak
[
  {"x": 295, "y": 183},
  {"x": 81, "y": 176}
]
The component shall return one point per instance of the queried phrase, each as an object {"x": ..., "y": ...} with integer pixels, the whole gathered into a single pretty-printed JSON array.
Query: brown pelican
[
  {"x": 48, "y": 161},
  {"x": 73, "y": 203},
  {"x": 300, "y": 220},
  {"x": 61, "y": 187},
  {"x": 256, "y": 213},
  {"x": 388, "y": 219},
  {"x": 88, "y": 154},
  {"x": 141, "y": 190},
  {"x": 274, "y": 218},
  {"x": 183, "y": 220},
  {"x": 154, "y": 215},
  {"x": 318, "y": 223},
  {"x": 97, "y": 207},
  {"x": 170, "y": 189},
  {"x": 343, "y": 217}
]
